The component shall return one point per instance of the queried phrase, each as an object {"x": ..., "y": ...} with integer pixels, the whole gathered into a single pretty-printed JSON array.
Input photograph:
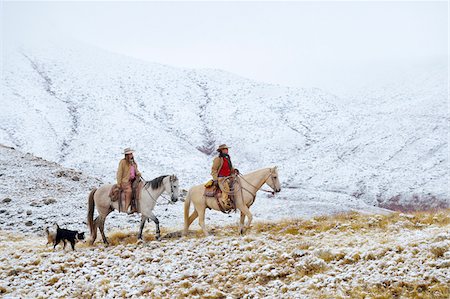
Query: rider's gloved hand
[{"x": 236, "y": 171}]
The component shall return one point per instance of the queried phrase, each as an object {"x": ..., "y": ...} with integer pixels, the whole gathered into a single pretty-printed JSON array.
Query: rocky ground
[{"x": 343, "y": 256}]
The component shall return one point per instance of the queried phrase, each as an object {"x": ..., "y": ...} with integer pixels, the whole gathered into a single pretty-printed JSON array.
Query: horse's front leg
[
  {"x": 101, "y": 226},
  {"x": 241, "y": 223},
  {"x": 143, "y": 219},
  {"x": 245, "y": 212},
  {"x": 201, "y": 220},
  {"x": 154, "y": 219}
]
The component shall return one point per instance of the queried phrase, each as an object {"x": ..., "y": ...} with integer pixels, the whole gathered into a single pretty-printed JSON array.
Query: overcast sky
[{"x": 303, "y": 44}]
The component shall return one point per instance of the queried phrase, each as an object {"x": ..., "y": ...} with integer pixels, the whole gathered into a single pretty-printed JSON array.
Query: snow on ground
[{"x": 346, "y": 256}]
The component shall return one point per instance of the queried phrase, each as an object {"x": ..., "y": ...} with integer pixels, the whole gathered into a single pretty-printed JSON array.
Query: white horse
[
  {"x": 149, "y": 195},
  {"x": 246, "y": 187}
]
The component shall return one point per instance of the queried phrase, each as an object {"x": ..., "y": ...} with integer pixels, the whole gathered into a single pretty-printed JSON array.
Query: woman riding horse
[{"x": 127, "y": 175}]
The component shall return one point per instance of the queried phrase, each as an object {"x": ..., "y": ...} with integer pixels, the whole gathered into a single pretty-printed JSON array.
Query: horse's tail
[
  {"x": 187, "y": 205},
  {"x": 90, "y": 215}
]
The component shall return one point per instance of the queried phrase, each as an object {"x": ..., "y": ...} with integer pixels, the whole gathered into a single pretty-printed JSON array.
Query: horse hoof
[{"x": 158, "y": 238}]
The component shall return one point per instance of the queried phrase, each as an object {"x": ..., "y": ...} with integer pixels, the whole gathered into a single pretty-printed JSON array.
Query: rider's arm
[
  {"x": 215, "y": 168},
  {"x": 138, "y": 173},
  {"x": 120, "y": 173}
]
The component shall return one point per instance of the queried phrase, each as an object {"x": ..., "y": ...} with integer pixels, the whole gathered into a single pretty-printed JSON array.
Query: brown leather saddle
[
  {"x": 212, "y": 191},
  {"x": 115, "y": 194},
  {"x": 224, "y": 206}
]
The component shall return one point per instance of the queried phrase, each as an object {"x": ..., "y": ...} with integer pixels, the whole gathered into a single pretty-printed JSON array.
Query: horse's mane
[{"x": 156, "y": 182}]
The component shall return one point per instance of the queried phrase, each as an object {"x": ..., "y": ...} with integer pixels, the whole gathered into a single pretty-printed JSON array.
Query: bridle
[
  {"x": 172, "y": 179},
  {"x": 256, "y": 188}
]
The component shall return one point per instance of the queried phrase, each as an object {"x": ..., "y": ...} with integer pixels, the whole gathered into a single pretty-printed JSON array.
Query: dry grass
[
  {"x": 127, "y": 237},
  {"x": 52, "y": 280},
  {"x": 439, "y": 250},
  {"x": 351, "y": 221},
  {"x": 397, "y": 290},
  {"x": 3, "y": 290},
  {"x": 286, "y": 257}
]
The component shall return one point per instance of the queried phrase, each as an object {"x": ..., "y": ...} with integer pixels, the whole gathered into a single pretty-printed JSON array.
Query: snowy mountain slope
[
  {"x": 35, "y": 193},
  {"x": 81, "y": 106}
]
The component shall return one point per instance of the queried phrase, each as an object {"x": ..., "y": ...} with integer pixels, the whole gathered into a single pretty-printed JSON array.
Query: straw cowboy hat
[
  {"x": 222, "y": 146},
  {"x": 128, "y": 151}
]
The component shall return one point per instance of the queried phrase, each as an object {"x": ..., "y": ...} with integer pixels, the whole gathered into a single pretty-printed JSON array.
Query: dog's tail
[{"x": 90, "y": 215}]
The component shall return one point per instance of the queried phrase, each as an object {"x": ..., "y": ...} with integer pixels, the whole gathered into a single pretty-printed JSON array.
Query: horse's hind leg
[
  {"x": 143, "y": 219},
  {"x": 94, "y": 231},
  {"x": 192, "y": 217},
  {"x": 102, "y": 230}
]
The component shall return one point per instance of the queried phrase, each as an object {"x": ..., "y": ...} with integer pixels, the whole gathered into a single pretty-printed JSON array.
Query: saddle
[
  {"x": 115, "y": 194},
  {"x": 212, "y": 190}
]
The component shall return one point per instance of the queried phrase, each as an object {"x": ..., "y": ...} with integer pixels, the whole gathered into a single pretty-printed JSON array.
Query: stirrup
[{"x": 131, "y": 211}]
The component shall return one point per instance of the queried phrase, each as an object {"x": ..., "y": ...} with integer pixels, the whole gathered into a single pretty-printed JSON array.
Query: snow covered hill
[{"x": 80, "y": 106}]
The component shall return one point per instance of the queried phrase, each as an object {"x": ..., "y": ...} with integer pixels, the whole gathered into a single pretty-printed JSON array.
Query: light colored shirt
[{"x": 132, "y": 172}]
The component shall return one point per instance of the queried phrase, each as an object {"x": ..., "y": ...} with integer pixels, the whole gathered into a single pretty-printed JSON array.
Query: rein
[
  {"x": 152, "y": 198},
  {"x": 268, "y": 191}
]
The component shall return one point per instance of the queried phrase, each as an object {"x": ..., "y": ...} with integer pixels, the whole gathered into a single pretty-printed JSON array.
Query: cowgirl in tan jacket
[{"x": 127, "y": 173}]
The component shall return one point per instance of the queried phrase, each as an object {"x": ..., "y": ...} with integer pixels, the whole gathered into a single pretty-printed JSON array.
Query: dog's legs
[
  {"x": 102, "y": 230},
  {"x": 73, "y": 245},
  {"x": 143, "y": 219},
  {"x": 64, "y": 241}
]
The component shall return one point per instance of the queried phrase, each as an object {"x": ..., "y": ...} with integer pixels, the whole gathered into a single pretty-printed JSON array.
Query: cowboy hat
[
  {"x": 128, "y": 151},
  {"x": 222, "y": 146}
]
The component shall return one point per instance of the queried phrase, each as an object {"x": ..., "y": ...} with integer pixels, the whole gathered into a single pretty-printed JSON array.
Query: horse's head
[
  {"x": 171, "y": 183},
  {"x": 273, "y": 180}
]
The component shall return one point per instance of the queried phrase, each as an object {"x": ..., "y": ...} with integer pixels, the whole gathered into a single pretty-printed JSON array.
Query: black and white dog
[{"x": 57, "y": 234}]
